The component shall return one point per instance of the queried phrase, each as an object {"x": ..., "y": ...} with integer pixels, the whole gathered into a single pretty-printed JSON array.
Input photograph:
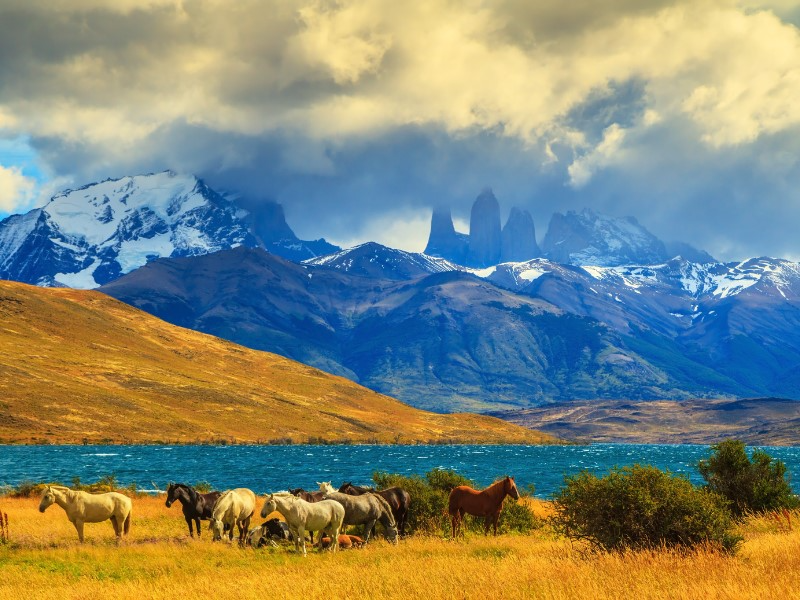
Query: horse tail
[
  {"x": 127, "y": 527},
  {"x": 453, "y": 503}
]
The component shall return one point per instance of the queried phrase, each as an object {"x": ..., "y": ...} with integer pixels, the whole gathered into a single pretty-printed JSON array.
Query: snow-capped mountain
[
  {"x": 589, "y": 238},
  {"x": 380, "y": 262},
  {"x": 87, "y": 237}
]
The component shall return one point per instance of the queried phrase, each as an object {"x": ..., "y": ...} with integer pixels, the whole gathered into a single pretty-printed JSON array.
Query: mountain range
[
  {"x": 604, "y": 311},
  {"x": 87, "y": 237}
]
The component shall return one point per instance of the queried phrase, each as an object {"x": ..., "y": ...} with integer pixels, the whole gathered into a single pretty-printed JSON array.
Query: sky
[{"x": 360, "y": 116}]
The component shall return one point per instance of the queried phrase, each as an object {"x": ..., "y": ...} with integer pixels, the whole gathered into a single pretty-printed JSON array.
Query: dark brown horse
[
  {"x": 399, "y": 500},
  {"x": 308, "y": 497},
  {"x": 487, "y": 503},
  {"x": 196, "y": 506}
]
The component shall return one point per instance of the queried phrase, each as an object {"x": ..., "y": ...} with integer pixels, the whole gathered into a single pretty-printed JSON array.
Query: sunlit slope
[{"x": 78, "y": 365}]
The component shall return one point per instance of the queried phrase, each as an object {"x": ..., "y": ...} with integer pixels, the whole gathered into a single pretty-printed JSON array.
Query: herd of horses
[{"x": 326, "y": 511}]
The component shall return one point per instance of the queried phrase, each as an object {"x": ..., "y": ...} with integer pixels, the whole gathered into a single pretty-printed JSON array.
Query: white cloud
[
  {"x": 604, "y": 154},
  {"x": 16, "y": 190},
  {"x": 324, "y": 73},
  {"x": 401, "y": 230}
]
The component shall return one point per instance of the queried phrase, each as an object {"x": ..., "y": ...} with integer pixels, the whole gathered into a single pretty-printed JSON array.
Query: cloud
[
  {"x": 350, "y": 111},
  {"x": 16, "y": 190}
]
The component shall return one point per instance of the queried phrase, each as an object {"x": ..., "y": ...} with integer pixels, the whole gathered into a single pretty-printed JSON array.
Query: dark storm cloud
[{"x": 360, "y": 115}]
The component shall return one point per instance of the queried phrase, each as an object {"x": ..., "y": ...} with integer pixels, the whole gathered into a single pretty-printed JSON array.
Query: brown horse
[{"x": 487, "y": 503}]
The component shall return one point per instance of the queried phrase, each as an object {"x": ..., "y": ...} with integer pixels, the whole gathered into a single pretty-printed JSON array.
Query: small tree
[
  {"x": 641, "y": 507},
  {"x": 756, "y": 484}
]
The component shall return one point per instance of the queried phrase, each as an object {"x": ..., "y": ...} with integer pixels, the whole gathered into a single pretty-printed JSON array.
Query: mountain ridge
[{"x": 79, "y": 366}]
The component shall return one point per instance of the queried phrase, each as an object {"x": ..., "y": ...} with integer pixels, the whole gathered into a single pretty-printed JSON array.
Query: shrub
[
  {"x": 754, "y": 484},
  {"x": 641, "y": 507},
  {"x": 429, "y": 500}
]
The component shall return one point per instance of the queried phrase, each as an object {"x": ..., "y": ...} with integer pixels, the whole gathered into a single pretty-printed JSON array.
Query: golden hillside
[{"x": 78, "y": 365}]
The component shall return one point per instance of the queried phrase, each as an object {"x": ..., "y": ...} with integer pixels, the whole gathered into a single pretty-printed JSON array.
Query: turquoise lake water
[{"x": 272, "y": 468}]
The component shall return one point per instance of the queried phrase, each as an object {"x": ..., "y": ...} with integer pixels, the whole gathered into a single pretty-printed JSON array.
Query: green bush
[
  {"x": 754, "y": 484},
  {"x": 641, "y": 507},
  {"x": 429, "y": 501}
]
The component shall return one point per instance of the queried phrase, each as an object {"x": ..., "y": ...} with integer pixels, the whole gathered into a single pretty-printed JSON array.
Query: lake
[{"x": 271, "y": 468}]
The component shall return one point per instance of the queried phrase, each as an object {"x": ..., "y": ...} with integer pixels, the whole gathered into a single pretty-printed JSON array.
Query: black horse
[
  {"x": 399, "y": 500},
  {"x": 196, "y": 506}
]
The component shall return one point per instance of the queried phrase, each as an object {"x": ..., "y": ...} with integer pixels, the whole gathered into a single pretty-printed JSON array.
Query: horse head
[
  {"x": 510, "y": 488},
  {"x": 326, "y": 487},
  {"x": 48, "y": 498},
  {"x": 269, "y": 506},
  {"x": 217, "y": 529},
  {"x": 170, "y": 494}
]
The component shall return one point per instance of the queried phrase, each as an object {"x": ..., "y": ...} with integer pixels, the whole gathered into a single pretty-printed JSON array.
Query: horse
[
  {"x": 196, "y": 506},
  {"x": 487, "y": 503},
  {"x": 345, "y": 541},
  {"x": 324, "y": 516},
  {"x": 398, "y": 499},
  {"x": 234, "y": 507},
  {"x": 267, "y": 532},
  {"x": 365, "y": 510},
  {"x": 82, "y": 507},
  {"x": 308, "y": 497}
]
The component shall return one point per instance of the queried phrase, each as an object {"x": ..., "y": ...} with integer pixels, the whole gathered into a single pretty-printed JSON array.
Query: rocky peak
[
  {"x": 444, "y": 241},
  {"x": 484, "y": 231},
  {"x": 518, "y": 238},
  {"x": 589, "y": 238}
]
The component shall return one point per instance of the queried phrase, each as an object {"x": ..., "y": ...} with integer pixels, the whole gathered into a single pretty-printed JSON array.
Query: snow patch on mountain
[
  {"x": 89, "y": 236},
  {"x": 372, "y": 259}
]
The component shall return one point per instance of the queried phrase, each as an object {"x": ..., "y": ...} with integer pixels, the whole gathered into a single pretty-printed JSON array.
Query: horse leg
[
  {"x": 117, "y": 526},
  {"x": 301, "y": 536},
  {"x": 244, "y": 527},
  {"x": 189, "y": 523},
  {"x": 79, "y": 528},
  {"x": 197, "y": 522},
  {"x": 496, "y": 519},
  {"x": 487, "y": 521},
  {"x": 369, "y": 526}
]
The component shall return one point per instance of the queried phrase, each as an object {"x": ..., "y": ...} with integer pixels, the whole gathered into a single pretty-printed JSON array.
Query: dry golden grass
[
  {"x": 160, "y": 561},
  {"x": 78, "y": 365}
]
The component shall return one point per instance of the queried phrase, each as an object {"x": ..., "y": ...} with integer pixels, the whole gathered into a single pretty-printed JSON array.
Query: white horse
[
  {"x": 82, "y": 507},
  {"x": 302, "y": 516},
  {"x": 234, "y": 507},
  {"x": 365, "y": 510}
]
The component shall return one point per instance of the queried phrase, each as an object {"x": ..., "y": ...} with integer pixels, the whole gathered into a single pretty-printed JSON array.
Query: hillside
[
  {"x": 756, "y": 421},
  {"x": 78, "y": 365}
]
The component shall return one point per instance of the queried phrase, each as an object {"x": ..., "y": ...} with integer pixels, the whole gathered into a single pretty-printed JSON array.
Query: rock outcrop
[
  {"x": 518, "y": 238},
  {"x": 444, "y": 241},
  {"x": 484, "y": 231}
]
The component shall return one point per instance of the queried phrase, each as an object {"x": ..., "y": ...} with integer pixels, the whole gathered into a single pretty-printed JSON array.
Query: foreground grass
[{"x": 159, "y": 560}]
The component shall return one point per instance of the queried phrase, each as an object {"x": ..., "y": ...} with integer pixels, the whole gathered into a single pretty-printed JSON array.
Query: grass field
[{"x": 159, "y": 560}]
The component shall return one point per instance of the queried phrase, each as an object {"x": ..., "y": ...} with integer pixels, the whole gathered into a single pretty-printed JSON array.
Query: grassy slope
[
  {"x": 158, "y": 560},
  {"x": 77, "y": 364}
]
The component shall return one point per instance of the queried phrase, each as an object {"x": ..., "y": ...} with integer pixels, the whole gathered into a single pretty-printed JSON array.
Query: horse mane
[
  {"x": 193, "y": 494},
  {"x": 387, "y": 508}
]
